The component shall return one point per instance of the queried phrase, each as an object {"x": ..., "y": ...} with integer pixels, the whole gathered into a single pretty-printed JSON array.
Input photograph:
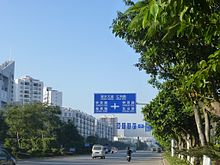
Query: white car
[{"x": 98, "y": 151}]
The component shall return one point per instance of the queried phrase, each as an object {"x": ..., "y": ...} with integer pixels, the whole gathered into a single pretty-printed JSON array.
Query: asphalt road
[{"x": 138, "y": 158}]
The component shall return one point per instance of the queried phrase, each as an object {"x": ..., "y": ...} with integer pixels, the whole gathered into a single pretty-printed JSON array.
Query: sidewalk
[{"x": 165, "y": 162}]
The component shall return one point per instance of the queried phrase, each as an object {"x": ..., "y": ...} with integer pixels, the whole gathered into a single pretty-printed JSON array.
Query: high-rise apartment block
[
  {"x": 84, "y": 123},
  {"x": 111, "y": 121},
  {"x": 87, "y": 125},
  {"x": 6, "y": 82},
  {"x": 52, "y": 97},
  {"x": 28, "y": 90},
  {"x": 104, "y": 130}
]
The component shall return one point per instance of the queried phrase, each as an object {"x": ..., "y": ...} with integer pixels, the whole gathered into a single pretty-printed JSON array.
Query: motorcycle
[{"x": 128, "y": 158}]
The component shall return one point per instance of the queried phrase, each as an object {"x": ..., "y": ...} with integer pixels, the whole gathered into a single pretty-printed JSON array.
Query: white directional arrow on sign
[{"x": 114, "y": 106}]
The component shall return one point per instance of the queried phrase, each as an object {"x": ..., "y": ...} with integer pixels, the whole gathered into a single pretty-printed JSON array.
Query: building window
[{"x": 35, "y": 84}]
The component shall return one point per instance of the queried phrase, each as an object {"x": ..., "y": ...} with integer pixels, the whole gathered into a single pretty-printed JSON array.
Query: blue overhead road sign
[
  {"x": 115, "y": 103},
  {"x": 148, "y": 128}
]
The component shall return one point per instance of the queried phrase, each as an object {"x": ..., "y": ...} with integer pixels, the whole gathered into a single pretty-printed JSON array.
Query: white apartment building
[
  {"x": 6, "y": 82},
  {"x": 84, "y": 123},
  {"x": 104, "y": 130},
  {"x": 87, "y": 125},
  {"x": 52, "y": 97},
  {"x": 112, "y": 121},
  {"x": 28, "y": 90}
]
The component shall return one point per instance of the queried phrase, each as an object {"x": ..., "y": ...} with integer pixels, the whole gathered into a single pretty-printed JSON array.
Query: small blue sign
[
  {"x": 115, "y": 103},
  {"x": 134, "y": 125},
  {"x": 118, "y": 125},
  {"x": 128, "y": 125},
  {"x": 147, "y": 127},
  {"x": 123, "y": 126},
  {"x": 140, "y": 125}
]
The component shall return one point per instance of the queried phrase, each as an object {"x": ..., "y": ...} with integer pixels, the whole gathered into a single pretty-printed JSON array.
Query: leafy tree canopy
[{"x": 177, "y": 40}]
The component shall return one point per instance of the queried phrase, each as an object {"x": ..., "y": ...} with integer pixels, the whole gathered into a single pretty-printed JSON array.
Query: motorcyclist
[{"x": 129, "y": 154}]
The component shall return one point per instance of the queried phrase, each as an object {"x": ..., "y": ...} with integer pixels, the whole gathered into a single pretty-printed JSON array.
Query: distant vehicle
[
  {"x": 114, "y": 150},
  {"x": 98, "y": 151},
  {"x": 106, "y": 149},
  {"x": 156, "y": 148},
  {"x": 153, "y": 149},
  {"x": 6, "y": 158},
  {"x": 159, "y": 150}
]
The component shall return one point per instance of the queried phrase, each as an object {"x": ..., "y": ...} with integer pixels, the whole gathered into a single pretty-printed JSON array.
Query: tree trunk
[
  {"x": 179, "y": 146},
  {"x": 215, "y": 108},
  {"x": 189, "y": 142},
  {"x": 18, "y": 140},
  {"x": 182, "y": 147},
  {"x": 207, "y": 125},
  {"x": 172, "y": 147},
  {"x": 199, "y": 125},
  {"x": 192, "y": 144},
  {"x": 188, "y": 145},
  {"x": 206, "y": 159}
]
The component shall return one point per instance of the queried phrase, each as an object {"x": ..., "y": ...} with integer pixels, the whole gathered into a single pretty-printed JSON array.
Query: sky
[{"x": 69, "y": 45}]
